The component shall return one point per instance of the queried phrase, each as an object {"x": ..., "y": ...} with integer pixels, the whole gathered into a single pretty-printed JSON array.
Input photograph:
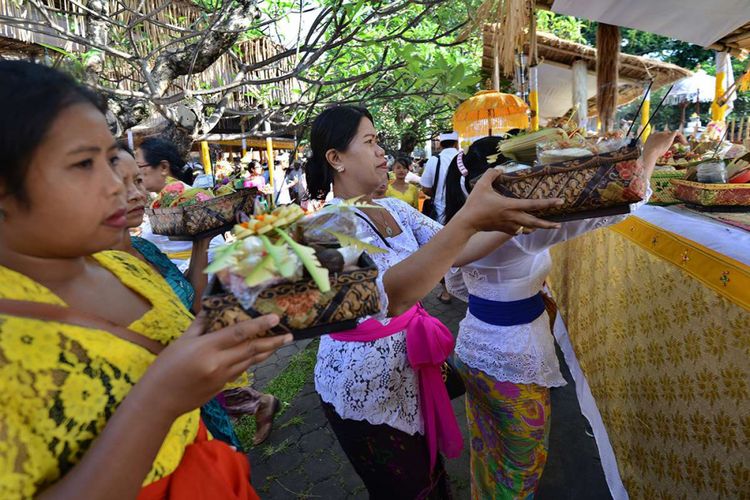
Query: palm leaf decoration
[
  {"x": 224, "y": 258},
  {"x": 283, "y": 261},
  {"x": 309, "y": 260},
  {"x": 348, "y": 241},
  {"x": 259, "y": 274},
  {"x": 349, "y": 204}
]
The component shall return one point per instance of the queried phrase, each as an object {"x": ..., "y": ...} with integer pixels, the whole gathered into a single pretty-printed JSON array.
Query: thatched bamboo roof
[
  {"x": 171, "y": 17},
  {"x": 634, "y": 70},
  {"x": 736, "y": 42}
]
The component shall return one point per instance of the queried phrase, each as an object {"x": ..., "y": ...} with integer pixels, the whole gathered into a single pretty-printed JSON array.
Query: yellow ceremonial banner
[
  {"x": 645, "y": 115},
  {"x": 661, "y": 328}
]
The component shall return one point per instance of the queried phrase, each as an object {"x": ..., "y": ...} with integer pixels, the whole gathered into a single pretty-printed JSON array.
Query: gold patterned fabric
[
  {"x": 661, "y": 329},
  {"x": 59, "y": 383}
]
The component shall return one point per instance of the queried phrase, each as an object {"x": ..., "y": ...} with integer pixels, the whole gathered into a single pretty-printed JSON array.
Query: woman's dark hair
[
  {"x": 403, "y": 160},
  {"x": 475, "y": 161},
  {"x": 334, "y": 128},
  {"x": 33, "y": 96},
  {"x": 156, "y": 150}
]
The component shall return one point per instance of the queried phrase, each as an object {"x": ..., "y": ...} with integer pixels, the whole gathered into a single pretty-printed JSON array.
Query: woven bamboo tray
[
  {"x": 594, "y": 186},
  {"x": 304, "y": 310},
  {"x": 204, "y": 219},
  {"x": 663, "y": 190},
  {"x": 712, "y": 195}
]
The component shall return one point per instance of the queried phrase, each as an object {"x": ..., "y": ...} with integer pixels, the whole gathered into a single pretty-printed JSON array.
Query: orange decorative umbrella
[{"x": 489, "y": 112}]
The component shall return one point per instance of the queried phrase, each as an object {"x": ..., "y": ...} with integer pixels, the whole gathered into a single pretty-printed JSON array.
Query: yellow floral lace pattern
[{"x": 59, "y": 384}]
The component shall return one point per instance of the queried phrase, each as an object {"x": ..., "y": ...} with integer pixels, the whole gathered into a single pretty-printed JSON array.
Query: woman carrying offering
[
  {"x": 399, "y": 188},
  {"x": 505, "y": 351},
  {"x": 381, "y": 384},
  {"x": 263, "y": 406},
  {"x": 103, "y": 368},
  {"x": 166, "y": 173}
]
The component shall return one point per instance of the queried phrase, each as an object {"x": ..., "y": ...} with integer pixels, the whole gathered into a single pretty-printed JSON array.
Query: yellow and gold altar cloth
[{"x": 661, "y": 328}]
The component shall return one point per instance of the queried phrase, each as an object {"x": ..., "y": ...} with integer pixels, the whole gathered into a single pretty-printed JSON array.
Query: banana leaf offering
[{"x": 313, "y": 271}]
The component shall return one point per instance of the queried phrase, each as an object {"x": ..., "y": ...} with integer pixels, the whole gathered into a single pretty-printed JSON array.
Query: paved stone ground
[{"x": 302, "y": 459}]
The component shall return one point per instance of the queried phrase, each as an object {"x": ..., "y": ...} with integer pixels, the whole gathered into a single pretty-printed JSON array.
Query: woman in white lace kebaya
[
  {"x": 505, "y": 351},
  {"x": 380, "y": 384}
]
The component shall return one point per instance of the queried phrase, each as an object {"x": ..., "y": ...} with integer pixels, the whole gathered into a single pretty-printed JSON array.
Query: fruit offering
[{"x": 178, "y": 194}]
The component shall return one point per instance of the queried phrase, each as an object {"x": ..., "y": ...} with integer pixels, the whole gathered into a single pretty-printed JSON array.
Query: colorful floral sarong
[{"x": 509, "y": 432}]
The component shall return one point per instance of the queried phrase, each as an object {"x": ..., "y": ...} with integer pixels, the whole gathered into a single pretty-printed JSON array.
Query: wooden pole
[
  {"x": 730, "y": 130},
  {"x": 607, "y": 64}
]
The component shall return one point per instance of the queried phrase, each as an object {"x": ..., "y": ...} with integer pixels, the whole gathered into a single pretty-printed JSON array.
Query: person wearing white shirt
[
  {"x": 505, "y": 350},
  {"x": 370, "y": 391},
  {"x": 435, "y": 188},
  {"x": 284, "y": 181},
  {"x": 437, "y": 166}
]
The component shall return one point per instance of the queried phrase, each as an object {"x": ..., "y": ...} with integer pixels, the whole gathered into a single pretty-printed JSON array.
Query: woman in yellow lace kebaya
[
  {"x": 67, "y": 429},
  {"x": 399, "y": 188}
]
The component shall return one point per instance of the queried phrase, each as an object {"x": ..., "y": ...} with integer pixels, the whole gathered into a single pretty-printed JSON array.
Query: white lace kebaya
[
  {"x": 373, "y": 381},
  {"x": 521, "y": 354}
]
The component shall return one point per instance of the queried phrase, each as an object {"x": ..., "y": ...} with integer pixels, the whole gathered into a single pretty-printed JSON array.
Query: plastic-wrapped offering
[
  {"x": 311, "y": 270},
  {"x": 714, "y": 172},
  {"x": 511, "y": 166},
  {"x": 611, "y": 143},
  {"x": 568, "y": 148},
  {"x": 545, "y": 157}
]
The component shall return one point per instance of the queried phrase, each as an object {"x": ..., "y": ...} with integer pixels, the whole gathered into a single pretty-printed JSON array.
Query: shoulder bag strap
[
  {"x": 437, "y": 173},
  {"x": 369, "y": 223},
  {"x": 61, "y": 314}
]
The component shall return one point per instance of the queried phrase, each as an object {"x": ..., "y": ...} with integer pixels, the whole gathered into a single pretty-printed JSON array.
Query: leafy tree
[
  {"x": 398, "y": 57},
  {"x": 565, "y": 27}
]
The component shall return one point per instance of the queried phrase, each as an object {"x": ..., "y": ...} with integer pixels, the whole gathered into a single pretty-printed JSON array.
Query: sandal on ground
[{"x": 269, "y": 407}]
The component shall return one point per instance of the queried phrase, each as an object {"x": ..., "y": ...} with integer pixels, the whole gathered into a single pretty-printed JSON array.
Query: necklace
[{"x": 383, "y": 222}]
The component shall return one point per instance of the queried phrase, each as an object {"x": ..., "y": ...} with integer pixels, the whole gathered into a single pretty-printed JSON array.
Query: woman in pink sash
[{"x": 380, "y": 383}]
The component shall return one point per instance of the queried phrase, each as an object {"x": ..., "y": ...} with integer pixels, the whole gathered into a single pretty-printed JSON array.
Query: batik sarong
[{"x": 509, "y": 431}]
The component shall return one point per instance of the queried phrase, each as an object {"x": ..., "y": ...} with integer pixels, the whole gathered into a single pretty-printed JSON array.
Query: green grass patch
[
  {"x": 269, "y": 450},
  {"x": 285, "y": 386},
  {"x": 295, "y": 420},
  {"x": 245, "y": 430}
]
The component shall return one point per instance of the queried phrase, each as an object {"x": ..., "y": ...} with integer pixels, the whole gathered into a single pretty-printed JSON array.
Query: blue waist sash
[{"x": 517, "y": 312}]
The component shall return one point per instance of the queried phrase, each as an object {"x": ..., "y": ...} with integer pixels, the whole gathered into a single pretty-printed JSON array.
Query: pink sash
[{"x": 428, "y": 345}]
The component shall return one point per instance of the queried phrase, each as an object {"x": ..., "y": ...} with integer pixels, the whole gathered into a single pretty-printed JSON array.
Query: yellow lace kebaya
[
  {"x": 410, "y": 196},
  {"x": 59, "y": 383}
]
